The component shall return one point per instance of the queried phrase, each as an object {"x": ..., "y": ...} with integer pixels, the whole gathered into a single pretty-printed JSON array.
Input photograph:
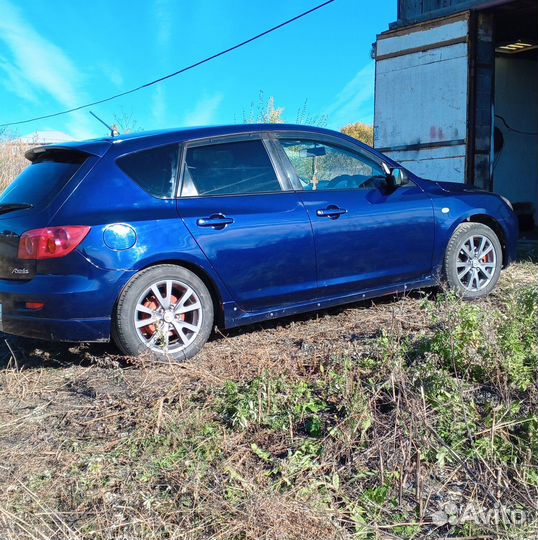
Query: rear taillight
[
  {"x": 34, "y": 306},
  {"x": 51, "y": 242}
]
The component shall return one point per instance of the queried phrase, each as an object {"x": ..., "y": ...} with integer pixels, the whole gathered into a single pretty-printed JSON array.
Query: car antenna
[{"x": 113, "y": 131}]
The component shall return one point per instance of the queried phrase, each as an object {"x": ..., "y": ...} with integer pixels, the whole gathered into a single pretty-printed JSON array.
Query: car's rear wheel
[
  {"x": 166, "y": 310},
  {"x": 473, "y": 260}
]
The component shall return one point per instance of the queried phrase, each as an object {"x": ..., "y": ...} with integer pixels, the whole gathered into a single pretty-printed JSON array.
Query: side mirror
[
  {"x": 399, "y": 177},
  {"x": 395, "y": 177}
]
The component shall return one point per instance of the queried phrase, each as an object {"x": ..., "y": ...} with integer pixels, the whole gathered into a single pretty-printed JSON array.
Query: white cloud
[
  {"x": 38, "y": 65},
  {"x": 204, "y": 112},
  {"x": 354, "y": 102},
  {"x": 14, "y": 82}
]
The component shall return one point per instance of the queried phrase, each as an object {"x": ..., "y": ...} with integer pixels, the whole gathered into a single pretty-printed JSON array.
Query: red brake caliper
[
  {"x": 151, "y": 303},
  {"x": 149, "y": 330}
]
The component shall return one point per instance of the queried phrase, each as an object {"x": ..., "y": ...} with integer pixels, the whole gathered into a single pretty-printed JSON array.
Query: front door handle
[
  {"x": 216, "y": 221},
  {"x": 332, "y": 212}
]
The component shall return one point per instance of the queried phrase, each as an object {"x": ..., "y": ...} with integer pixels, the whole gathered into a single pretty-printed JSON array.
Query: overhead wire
[
  {"x": 514, "y": 130},
  {"x": 175, "y": 73}
]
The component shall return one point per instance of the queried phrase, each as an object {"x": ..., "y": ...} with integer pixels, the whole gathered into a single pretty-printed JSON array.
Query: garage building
[{"x": 456, "y": 95}]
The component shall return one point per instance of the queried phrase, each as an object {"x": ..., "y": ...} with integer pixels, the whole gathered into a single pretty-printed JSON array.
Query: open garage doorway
[{"x": 515, "y": 142}]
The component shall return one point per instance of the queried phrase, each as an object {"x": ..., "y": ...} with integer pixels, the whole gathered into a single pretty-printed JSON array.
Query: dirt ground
[{"x": 60, "y": 400}]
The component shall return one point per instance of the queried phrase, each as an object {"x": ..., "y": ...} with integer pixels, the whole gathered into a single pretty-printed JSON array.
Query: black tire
[
  {"x": 132, "y": 341},
  {"x": 456, "y": 259}
]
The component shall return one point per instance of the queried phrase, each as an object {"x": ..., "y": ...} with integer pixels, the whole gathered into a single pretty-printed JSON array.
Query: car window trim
[
  {"x": 325, "y": 138},
  {"x": 322, "y": 139},
  {"x": 286, "y": 165},
  {"x": 272, "y": 149},
  {"x": 285, "y": 184}
]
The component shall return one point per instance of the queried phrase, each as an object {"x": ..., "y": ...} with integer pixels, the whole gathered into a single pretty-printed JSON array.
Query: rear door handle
[
  {"x": 216, "y": 221},
  {"x": 331, "y": 212}
]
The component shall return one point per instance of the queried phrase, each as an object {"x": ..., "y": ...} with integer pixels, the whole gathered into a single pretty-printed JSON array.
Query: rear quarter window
[
  {"x": 42, "y": 180},
  {"x": 154, "y": 170}
]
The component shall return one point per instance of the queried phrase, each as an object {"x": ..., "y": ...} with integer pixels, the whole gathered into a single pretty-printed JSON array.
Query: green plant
[
  {"x": 264, "y": 111},
  {"x": 484, "y": 345},
  {"x": 517, "y": 331},
  {"x": 275, "y": 403}
]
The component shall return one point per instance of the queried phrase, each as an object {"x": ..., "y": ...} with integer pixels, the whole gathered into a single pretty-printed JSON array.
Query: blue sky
[{"x": 62, "y": 53}]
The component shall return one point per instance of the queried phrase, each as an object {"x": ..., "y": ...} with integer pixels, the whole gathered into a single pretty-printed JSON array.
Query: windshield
[{"x": 42, "y": 180}]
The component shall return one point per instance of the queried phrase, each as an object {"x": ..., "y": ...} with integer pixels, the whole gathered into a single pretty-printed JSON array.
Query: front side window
[
  {"x": 154, "y": 170},
  {"x": 321, "y": 166},
  {"x": 235, "y": 168}
]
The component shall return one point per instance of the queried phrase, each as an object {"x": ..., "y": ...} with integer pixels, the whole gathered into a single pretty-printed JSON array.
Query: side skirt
[{"x": 234, "y": 316}]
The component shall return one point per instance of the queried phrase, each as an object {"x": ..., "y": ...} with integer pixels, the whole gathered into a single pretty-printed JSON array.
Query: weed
[
  {"x": 273, "y": 403},
  {"x": 355, "y": 436}
]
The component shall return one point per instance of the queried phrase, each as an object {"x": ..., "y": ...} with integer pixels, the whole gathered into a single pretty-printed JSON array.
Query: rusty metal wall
[
  {"x": 480, "y": 105},
  {"x": 411, "y": 11}
]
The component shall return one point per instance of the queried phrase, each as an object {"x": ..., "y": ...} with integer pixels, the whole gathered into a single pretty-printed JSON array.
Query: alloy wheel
[
  {"x": 168, "y": 316},
  {"x": 476, "y": 263}
]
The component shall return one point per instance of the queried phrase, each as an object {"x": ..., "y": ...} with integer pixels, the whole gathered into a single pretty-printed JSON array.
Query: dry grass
[
  {"x": 377, "y": 420},
  {"x": 227, "y": 446},
  {"x": 12, "y": 160}
]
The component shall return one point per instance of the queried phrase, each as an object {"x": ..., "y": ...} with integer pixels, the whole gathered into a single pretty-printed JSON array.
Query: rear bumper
[
  {"x": 57, "y": 329},
  {"x": 76, "y": 308}
]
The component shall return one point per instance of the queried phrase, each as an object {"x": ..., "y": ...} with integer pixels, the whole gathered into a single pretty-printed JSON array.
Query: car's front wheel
[
  {"x": 166, "y": 310},
  {"x": 473, "y": 260}
]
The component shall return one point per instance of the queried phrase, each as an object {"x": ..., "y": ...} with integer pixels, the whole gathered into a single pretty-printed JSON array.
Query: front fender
[{"x": 449, "y": 212}]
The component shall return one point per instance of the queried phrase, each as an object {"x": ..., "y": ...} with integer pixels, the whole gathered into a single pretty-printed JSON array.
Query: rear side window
[
  {"x": 154, "y": 170},
  {"x": 236, "y": 168},
  {"x": 42, "y": 180}
]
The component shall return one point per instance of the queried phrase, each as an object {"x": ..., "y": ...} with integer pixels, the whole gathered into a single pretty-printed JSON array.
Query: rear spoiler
[{"x": 90, "y": 148}]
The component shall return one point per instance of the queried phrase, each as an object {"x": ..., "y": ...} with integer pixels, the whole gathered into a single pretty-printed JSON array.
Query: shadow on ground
[{"x": 22, "y": 353}]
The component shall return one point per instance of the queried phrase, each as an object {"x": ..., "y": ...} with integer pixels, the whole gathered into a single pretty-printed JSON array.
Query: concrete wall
[{"x": 516, "y": 99}]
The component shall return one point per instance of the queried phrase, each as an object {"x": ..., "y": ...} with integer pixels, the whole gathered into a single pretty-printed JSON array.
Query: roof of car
[
  {"x": 187, "y": 133},
  {"x": 135, "y": 141}
]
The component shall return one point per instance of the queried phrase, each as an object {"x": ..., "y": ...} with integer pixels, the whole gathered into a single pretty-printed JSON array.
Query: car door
[
  {"x": 251, "y": 226},
  {"x": 367, "y": 234}
]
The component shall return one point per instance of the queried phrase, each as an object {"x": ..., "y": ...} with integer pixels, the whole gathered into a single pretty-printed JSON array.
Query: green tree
[{"x": 361, "y": 131}]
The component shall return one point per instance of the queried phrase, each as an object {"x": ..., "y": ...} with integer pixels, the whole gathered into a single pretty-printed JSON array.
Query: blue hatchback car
[{"x": 151, "y": 239}]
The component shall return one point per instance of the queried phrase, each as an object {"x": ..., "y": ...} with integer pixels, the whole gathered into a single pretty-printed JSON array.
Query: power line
[
  {"x": 178, "y": 72},
  {"x": 510, "y": 128}
]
